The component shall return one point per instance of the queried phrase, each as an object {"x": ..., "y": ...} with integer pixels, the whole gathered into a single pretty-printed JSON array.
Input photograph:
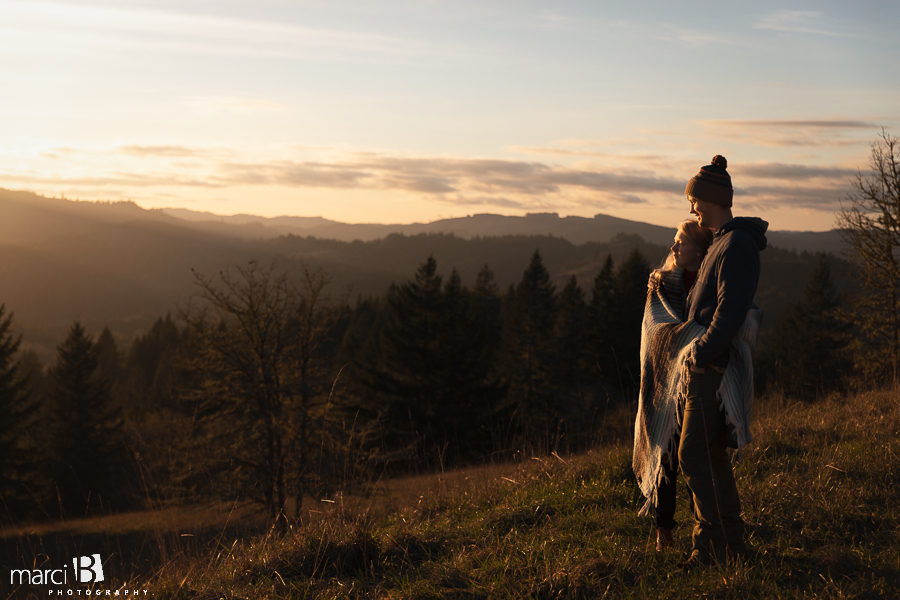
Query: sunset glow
[{"x": 413, "y": 111}]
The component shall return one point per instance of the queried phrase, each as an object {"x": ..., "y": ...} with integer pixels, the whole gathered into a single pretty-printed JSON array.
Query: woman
[
  {"x": 683, "y": 261},
  {"x": 670, "y": 284}
]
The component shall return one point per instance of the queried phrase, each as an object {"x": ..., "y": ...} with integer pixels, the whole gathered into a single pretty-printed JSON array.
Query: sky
[{"x": 398, "y": 112}]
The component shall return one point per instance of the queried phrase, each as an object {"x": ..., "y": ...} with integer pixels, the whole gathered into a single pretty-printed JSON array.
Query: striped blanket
[{"x": 666, "y": 342}]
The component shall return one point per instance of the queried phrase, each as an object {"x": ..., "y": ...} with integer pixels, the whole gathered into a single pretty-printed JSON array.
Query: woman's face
[{"x": 687, "y": 254}]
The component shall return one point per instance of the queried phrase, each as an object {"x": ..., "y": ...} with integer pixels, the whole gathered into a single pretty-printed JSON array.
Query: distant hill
[
  {"x": 578, "y": 230},
  {"x": 121, "y": 266}
]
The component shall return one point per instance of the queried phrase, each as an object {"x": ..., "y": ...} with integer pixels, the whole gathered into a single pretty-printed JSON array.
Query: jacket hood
[{"x": 755, "y": 226}]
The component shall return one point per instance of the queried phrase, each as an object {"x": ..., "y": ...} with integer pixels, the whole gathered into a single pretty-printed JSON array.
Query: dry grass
[
  {"x": 818, "y": 486},
  {"x": 174, "y": 518}
]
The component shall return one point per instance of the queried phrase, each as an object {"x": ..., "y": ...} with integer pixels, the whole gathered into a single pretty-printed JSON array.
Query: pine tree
[
  {"x": 627, "y": 311},
  {"x": 485, "y": 307},
  {"x": 571, "y": 332},
  {"x": 811, "y": 343},
  {"x": 109, "y": 364},
  {"x": 430, "y": 371},
  {"x": 151, "y": 371},
  {"x": 359, "y": 356},
  {"x": 408, "y": 369},
  {"x": 530, "y": 356},
  {"x": 17, "y": 422},
  {"x": 574, "y": 358},
  {"x": 87, "y": 449},
  {"x": 600, "y": 316}
]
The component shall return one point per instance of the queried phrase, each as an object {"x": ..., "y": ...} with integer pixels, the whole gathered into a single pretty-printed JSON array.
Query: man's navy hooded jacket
[{"x": 725, "y": 287}]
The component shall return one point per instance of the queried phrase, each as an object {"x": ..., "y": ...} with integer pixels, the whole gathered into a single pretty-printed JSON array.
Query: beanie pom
[{"x": 719, "y": 161}]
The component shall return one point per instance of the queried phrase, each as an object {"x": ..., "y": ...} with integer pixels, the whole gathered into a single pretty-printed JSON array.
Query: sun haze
[{"x": 413, "y": 111}]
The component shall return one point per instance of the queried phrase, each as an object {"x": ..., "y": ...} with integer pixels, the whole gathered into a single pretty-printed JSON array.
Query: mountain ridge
[
  {"x": 122, "y": 266},
  {"x": 600, "y": 227}
]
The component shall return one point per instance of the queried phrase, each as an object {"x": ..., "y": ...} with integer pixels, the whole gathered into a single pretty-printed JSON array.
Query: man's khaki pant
[{"x": 707, "y": 470}]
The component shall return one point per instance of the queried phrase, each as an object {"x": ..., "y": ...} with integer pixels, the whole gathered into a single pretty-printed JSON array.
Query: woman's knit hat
[{"x": 712, "y": 183}]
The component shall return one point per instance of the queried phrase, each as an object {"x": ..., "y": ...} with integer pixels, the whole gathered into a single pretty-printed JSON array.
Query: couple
[{"x": 696, "y": 393}]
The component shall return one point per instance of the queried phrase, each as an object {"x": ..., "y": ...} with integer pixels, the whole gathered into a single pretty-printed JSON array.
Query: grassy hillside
[{"x": 818, "y": 486}]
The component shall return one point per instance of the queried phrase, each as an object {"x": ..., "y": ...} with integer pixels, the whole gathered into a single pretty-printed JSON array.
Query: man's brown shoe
[
  {"x": 696, "y": 559},
  {"x": 663, "y": 538}
]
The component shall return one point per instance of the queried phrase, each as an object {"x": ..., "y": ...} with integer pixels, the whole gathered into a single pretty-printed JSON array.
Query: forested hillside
[
  {"x": 122, "y": 267},
  {"x": 328, "y": 387},
  {"x": 337, "y": 359}
]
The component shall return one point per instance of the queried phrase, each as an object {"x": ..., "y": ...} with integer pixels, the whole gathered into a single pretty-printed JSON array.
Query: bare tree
[
  {"x": 313, "y": 433},
  {"x": 241, "y": 337},
  {"x": 871, "y": 221},
  {"x": 262, "y": 380}
]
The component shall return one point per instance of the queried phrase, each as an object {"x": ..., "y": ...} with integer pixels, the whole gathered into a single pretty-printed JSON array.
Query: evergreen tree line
[
  {"x": 62, "y": 447},
  {"x": 270, "y": 388},
  {"x": 452, "y": 373}
]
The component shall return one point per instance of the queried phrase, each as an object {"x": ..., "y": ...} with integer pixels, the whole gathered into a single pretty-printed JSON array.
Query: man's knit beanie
[{"x": 712, "y": 183}]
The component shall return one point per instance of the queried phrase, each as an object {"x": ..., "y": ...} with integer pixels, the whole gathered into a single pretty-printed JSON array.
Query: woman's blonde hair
[{"x": 700, "y": 236}]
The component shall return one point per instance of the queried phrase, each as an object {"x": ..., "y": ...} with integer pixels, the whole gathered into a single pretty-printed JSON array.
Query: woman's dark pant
[{"x": 665, "y": 492}]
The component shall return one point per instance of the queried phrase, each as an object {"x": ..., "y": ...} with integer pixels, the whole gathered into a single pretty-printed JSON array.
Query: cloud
[
  {"x": 795, "y": 132},
  {"x": 554, "y": 151},
  {"x": 779, "y": 185},
  {"x": 600, "y": 181},
  {"x": 303, "y": 174},
  {"x": 629, "y": 199},
  {"x": 165, "y": 151},
  {"x": 462, "y": 181},
  {"x": 796, "y": 172},
  {"x": 507, "y": 176},
  {"x": 113, "y": 179},
  {"x": 430, "y": 176},
  {"x": 694, "y": 37},
  {"x": 795, "y": 123},
  {"x": 818, "y": 198},
  {"x": 484, "y": 175},
  {"x": 797, "y": 21},
  {"x": 167, "y": 30},
  {"x": 516, "y": 185},
  {"x": 58, "y": 153},
  {"x": 425, "y": 184}
]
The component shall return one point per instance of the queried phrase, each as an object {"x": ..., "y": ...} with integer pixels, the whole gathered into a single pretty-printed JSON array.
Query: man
[{"x": 719, "y": 302}]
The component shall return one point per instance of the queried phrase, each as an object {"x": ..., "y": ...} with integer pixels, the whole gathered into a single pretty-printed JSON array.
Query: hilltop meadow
[{"x": 818, "y": 488}]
